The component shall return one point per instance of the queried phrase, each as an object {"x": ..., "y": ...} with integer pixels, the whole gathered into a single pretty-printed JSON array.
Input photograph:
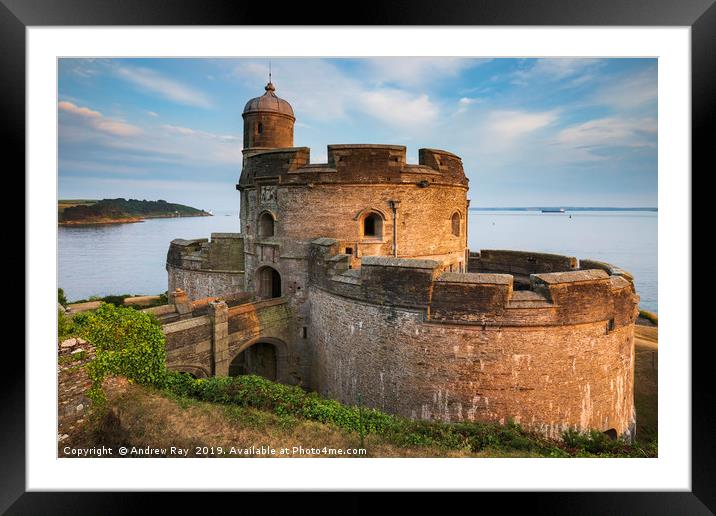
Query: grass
[
  {"x": 164, "y": 418},
  {"x": 649, "y": 316},
  {"x": 646, "y": 385},
  {"x": 140, "y": 416}
]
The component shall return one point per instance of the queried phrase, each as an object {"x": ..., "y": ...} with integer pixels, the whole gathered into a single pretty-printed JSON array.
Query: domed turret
[{"x": 268, "y": 121}]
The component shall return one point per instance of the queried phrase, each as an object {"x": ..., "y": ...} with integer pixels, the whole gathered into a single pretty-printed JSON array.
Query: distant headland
[{"x": 72, "y": 212}]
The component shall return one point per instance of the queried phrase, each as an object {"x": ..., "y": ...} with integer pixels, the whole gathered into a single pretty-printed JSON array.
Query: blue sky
[{"x": 531, "y": 132}]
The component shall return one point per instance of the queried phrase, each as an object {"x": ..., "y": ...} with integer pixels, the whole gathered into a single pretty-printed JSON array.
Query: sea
[{"x": 130, "y": 258}]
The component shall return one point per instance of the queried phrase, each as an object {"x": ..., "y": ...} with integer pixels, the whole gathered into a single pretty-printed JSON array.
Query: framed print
[{"x": 434, "y": 241}]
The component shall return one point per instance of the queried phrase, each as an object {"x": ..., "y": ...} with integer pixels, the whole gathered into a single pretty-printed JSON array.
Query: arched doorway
[
  {"x": 259, "y": 359},
  {"x": 268, "y": 283}
]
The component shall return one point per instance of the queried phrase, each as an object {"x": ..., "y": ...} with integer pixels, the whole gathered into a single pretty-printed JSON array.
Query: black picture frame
[{"x": 700, "y": 15}]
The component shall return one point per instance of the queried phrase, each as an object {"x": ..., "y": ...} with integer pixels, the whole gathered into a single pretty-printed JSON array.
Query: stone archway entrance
[
  {"x": 260, "y": 359},
  {"x": 268, "y": 283}
]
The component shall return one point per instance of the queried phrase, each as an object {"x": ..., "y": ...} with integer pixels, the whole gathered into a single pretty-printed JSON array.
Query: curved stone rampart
[
  {"x": 207, "y": 268},
  {"x": 415, "y": 340}
]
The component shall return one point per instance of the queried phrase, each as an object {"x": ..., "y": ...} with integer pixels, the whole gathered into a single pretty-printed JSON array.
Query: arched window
[
  {"x": 260, "y": 128},
  {"x": 455, "y": 221},
  {"x": 266, "y": 225},
  {"x": 372, "y": 226}
]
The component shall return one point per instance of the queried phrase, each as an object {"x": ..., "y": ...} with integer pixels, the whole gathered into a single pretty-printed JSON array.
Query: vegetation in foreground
[
  {"x": 649, "y": 316},
  {"x": 130, "y": 344}
]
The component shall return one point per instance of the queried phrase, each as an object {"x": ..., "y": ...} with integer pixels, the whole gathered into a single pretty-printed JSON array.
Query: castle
[{"x": 354, "y": 278}]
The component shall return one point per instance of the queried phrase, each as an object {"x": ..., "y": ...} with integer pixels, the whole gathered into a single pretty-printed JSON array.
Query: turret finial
[{"x": 270, "y": 86}]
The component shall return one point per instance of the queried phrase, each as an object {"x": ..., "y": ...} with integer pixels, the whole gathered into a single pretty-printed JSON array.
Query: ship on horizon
[{"x": 553, "y": 210}]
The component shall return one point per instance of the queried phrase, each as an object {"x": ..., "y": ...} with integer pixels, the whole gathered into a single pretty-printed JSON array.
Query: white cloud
[
  {"x": 399, "y": 108},
  {"x": 416, "y": 71},
  {"x": 152, "y": 113},
  {"x": 99, "y": 122},
  {"x": 630, "y": 91},
  {"x": 466, "y": 101},
  {"x": 619, "y": 132},
  {"x": 558, "y": 69},
  {"x": 186, "y": 131},
  {"x": 316, "y": 89},
  {"x": 320, "y": 90},
  {"x": 164, "y": 86},
  {"x": 509, "y": 125}
]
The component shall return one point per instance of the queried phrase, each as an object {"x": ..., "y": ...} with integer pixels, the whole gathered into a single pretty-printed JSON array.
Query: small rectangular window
[
  {"x": 610, "y": 326},
  {"x": 349, "y": 250},
  {"x": 304, "y": 332}
]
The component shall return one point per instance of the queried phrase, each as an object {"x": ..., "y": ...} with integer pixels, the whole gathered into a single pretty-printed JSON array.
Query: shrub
[
  {"x": 61, "y": 297},
  {"x": 649, "y": 316},
  {"x": 66, "y": 326},
  {"x": 127, "y": 342}
]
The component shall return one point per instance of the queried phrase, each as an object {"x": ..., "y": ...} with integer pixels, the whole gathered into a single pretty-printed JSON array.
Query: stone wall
[
  {"x": 520, "y": 264},
  {"x": 72, "y": 384},
  {"x": 277, "y": 130},
  {"x": 204, "y": 268},
  {"x": 364, "y": 179},
  {"x": 428, "y": 344},
  {"x": 203, "y": 337}
]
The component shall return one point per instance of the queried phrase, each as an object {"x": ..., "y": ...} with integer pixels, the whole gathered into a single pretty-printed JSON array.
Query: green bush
[
  {"x": 649, "y": 316},
  {"x": 66, "y": 326},
  {"x": 61, "y": 297},
  {"x": 127, "y": 343}
]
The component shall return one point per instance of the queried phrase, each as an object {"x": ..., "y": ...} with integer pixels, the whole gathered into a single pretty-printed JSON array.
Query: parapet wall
[
  {"x": 554, "y": 298},
  {"x": 520, "y": 264},
  {"x": 415, "y": 340},
  {"x": 354, "y": 163},
  {"x": 204, "y": 268}
]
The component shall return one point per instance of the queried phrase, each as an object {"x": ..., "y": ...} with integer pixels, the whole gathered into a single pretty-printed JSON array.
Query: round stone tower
[{"x": 268, "y": 121}]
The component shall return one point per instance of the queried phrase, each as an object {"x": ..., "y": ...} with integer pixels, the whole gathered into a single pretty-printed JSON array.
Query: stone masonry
[{"x": 354, "y": 278}]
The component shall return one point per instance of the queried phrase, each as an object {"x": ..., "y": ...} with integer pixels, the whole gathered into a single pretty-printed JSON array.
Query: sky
[{"x": 531, "y": 132}]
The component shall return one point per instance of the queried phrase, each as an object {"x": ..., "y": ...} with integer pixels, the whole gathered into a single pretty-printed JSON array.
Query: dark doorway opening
[
  {"x": 259, "y": 359},
  {"x": 611, "y": 433},
  {"x": 269, "y": 283},
  {"x": 373, "y": 226}
]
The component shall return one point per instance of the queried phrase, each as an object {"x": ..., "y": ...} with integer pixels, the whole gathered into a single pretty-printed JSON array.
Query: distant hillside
[{"x": 109, "y": 211}]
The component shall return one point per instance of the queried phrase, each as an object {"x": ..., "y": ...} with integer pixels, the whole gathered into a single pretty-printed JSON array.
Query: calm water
[{"x": 129, "y": 258}]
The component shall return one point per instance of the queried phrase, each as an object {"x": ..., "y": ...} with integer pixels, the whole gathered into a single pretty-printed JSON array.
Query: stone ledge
[
  {"x": 182, "y": 242},
  {"x": 553, "y": 278},
  {"x": 226, "y": 235},
  {"x": 343, "y": 146},
  {"x": 476, "y": 278},
  {"x": 186, "y": 324},
  {"x": 325, "y": 241},
  {"x": 386, "y": 261},
  {"x": 344, "y": 278}
]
